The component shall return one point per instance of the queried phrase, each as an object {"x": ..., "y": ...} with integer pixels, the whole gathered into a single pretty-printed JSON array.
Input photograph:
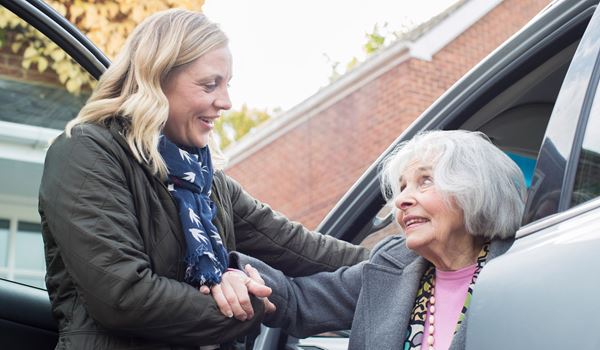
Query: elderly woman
[
  {"x": 458, "y": 200},
  {"x": 136, "y": 219}
]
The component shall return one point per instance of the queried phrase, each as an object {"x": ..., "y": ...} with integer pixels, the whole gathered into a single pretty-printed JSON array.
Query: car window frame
[
  {"x": 550, "y": 175},
  {"x": 566, "y": 211},
  {"x": 593, "y": 97},
  {"x": 28, "y": 307},
  {"x": 62, "y": 32}
]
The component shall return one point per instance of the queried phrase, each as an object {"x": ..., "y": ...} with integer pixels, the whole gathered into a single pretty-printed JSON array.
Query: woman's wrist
[{"x": 231, "y": 269}]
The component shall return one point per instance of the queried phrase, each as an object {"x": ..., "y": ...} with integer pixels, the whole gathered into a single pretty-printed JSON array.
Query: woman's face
[
  {"x": 197, "y": 93},
  {"x": 428, "y": 222}
]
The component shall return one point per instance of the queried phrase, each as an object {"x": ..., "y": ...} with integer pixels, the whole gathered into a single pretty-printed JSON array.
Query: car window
[
  {"x": 525, "y": 163},
  {"x": 587, "y": 176},
  {"x": 388, "y": 227},
  {"x": 41, "y": 88},
  {"x": 4, "y": 225}
]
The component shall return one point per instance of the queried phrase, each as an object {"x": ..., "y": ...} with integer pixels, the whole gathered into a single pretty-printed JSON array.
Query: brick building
[{"x": 303, "y": 161}]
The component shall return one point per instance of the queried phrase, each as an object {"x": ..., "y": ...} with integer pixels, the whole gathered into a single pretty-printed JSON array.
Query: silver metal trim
[{"x": 558, "y": 218}]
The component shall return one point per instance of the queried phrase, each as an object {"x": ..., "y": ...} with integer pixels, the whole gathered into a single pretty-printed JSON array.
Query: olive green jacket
[{"x": 114, "y": 249}]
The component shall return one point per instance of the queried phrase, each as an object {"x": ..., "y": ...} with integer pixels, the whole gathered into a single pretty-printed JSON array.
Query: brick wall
[{"x": 306, "y": 171}]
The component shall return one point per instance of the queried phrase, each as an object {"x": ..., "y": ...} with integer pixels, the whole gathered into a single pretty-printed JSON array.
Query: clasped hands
[{"x": 232, "y": 295}]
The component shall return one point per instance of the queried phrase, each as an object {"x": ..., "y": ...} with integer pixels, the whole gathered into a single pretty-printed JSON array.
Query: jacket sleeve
[
  {"x": 90, "y": 213},
  {"x": 286, "y": 245},
  {"x": 312, "y": 304}
]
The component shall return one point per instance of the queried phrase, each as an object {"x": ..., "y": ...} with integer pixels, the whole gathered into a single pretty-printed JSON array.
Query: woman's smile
[
  {"x": 208, "y": 122},
  {"x": 197, "y": 93},
  {"x": 411, "y": 222}
]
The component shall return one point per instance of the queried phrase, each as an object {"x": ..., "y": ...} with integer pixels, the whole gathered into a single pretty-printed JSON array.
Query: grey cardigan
[{"x": 374, "y": 298}]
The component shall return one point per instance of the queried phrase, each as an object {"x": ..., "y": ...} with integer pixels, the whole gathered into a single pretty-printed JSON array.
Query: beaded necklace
[
  {"x": 431, "y": 318},
  {"x": 416, "y": 333}
]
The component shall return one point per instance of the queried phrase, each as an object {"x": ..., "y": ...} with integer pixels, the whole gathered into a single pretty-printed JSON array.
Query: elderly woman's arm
[
  {"x": 312, "y": 304},
  {"x": 286, "y": 245}
]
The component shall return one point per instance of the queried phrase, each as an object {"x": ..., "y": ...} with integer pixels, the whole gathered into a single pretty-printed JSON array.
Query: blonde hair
[{"x": 132, "y": 86}]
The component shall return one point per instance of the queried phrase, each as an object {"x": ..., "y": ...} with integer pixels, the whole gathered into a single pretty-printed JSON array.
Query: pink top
[{"x": 450, "y": 293}]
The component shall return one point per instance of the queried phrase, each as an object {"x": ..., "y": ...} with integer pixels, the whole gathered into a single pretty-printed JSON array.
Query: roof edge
[
  {"x": 444, "y": 28},
  {"x": 463, "y": 16},
  {"x": 324, "y": 98},
  {"x": 26, "y": 143}
]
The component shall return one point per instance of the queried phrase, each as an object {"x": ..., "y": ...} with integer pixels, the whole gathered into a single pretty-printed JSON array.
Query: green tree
[
  {"x": 234, "y": 124},
  {"x": 375, "y": 40},
  {"x": 380, "y": 37},
  {"x": 106, "y": 22}
]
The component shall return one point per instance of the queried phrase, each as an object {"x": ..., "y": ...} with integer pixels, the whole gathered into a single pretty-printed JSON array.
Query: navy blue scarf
[{"x": 190, "y": 180}]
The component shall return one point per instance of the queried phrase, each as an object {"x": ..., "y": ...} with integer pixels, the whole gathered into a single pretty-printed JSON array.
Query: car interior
[
  {"x": 26, "y": 321},
  {"x": 516, "y": 119}
]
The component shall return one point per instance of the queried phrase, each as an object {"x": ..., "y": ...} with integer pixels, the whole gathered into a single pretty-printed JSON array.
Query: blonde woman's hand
[{"x": 232, "y": 295}]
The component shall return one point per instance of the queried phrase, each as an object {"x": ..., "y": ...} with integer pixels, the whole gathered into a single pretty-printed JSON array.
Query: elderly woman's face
[
  {"x": 422, "y": 212},
  {"x": 197, "y": 93}
]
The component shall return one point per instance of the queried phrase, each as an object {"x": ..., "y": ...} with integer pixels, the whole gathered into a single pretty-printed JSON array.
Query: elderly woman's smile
[
  {"x": 412, "y": 221},
  {"x": 431, "y": 223}
]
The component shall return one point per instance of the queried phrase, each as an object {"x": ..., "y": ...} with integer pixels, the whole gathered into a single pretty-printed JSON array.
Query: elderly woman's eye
[{"x": 427, "y": 180}]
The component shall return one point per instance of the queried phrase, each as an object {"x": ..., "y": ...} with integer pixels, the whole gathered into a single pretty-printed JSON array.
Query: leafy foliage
[
  {"x": 106, "y": 22},
  {"x": 375, "y": 40},
  {"x": 234, "y": 124},
  {"x": 380, "y": 37}
]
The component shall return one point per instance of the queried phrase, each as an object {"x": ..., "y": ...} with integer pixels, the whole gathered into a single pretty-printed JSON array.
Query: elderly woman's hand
[
  {"x": 232, "y": 295},
  {"x": 255, "y": 276}
]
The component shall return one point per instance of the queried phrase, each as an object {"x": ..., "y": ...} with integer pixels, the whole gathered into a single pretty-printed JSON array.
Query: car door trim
[
  {"x": 62, "y": 32},
  {"x": 557, "y": 218},
  {"x": 572, "y": 164}
]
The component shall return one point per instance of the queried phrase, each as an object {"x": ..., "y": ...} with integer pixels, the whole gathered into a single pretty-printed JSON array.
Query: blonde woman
[{"x": 136, "y": 219}]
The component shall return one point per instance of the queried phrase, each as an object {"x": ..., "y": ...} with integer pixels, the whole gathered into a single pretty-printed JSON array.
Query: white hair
[{"x": 482, "y": 180}]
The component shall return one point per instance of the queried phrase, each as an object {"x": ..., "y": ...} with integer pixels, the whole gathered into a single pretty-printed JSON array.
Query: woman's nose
[
  {"x": 223, "y": 101},
  {"x": 404, "y": 200}
]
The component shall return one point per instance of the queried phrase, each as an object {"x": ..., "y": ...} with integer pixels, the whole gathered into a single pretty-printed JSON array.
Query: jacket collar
[
  {"x": 392, "y": 283},
  {"x": 116, "y": 125},
  {"x": 395, "y": 254},
  {"x": 389, "y": 297}
]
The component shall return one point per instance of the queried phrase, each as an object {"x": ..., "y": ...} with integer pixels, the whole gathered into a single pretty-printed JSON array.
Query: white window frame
[{"x": 15, "y": 210}]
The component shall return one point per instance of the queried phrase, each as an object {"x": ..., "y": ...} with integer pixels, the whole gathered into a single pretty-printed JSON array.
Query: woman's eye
[
  {"x": 427, "y": 181},
  {"x": 210, "y": 87}
]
